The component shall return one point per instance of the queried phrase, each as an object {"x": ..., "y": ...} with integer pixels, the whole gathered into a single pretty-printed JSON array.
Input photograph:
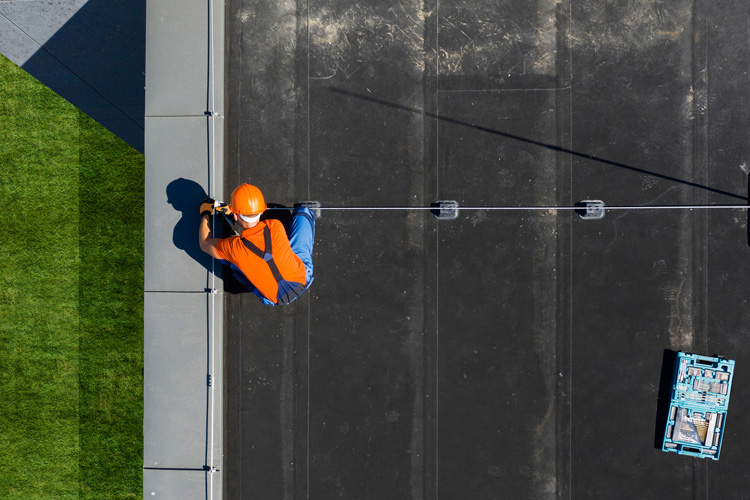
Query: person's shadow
[
  {"x": 185, "y": 197},
  {"x": 281, "y": 213}
]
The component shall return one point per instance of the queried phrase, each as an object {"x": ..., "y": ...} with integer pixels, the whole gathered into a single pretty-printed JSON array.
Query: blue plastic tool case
[{"x": 698, "y": 408}]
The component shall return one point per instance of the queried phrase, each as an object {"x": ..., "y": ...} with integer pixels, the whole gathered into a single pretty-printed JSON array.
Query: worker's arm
[{"x": 205, "y": 241}]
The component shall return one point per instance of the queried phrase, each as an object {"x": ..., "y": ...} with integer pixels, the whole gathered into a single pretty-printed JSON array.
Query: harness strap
[{"x": 267, "y": 255}]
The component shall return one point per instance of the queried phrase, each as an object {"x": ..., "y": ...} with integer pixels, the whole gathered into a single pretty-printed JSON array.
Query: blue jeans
[{"x": 301, "y": 239}]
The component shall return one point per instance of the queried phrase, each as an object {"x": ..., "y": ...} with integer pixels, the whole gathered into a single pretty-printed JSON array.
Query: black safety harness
[{"x": 288, "y": 290}]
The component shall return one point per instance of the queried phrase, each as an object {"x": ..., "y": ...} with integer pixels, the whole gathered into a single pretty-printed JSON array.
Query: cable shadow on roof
[{"x": 551, "y": 147}]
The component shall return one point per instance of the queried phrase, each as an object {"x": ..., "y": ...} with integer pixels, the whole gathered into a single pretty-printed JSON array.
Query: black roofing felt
[{"x": 504, "y": 354}]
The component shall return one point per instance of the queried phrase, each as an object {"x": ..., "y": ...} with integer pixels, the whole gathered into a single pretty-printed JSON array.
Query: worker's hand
[
  {"x": 224, "y": 209},
  {"x": 207, "y": 206}
]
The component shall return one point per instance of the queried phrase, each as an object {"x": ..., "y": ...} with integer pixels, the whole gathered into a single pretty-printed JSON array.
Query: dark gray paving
[
  {"x": 726, "y": 234},
  {"x": 368, "y": 418},
  {"x": 497, "y": 314},
  {"x": 642, "y": 282},
  {"x": 504, "y": 353}
]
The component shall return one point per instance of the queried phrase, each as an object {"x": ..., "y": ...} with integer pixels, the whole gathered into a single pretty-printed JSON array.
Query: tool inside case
[{"x": 697, "y": 412}]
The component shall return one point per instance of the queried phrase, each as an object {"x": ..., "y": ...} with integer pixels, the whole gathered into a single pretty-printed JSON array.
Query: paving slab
[
  {"x": 184, "y": 65},
  {"x": 500, "y": 45},
  {"x": 268, "y": 119},
  {"x": 498, "y": 333},
  {"x": 181, "y": 485},
  {"x": 180, "y": 376},
  {"x": 368, "y": 347},
  {"x": 266, "y": 397},
  {"x": 16, "y": 45},
  {"x": 43, "y": 21},
  {"x": 178, "y": 178}
]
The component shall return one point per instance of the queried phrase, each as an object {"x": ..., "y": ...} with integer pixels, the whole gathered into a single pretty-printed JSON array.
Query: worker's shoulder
[
  {"x": 274, "y": 225},
  {"x": 229, "y": 241}
]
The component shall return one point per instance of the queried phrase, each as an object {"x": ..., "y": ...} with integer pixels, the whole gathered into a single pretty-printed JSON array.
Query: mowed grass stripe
[
  {"x": 111, "y": 194},
  {"x": 60, "y": 326}
]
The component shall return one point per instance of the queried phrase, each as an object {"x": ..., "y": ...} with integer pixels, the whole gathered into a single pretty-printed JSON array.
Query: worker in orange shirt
[{"x": 274, "y": 266}]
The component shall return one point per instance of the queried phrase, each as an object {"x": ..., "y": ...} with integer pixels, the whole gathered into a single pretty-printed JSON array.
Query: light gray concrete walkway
[
  {"x": 99, "y": 54},
  {"x": 183, "y": 331}
]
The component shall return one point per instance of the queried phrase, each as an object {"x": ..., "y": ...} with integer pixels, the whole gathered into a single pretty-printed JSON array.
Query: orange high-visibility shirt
[{"x": 255, "y": 268}]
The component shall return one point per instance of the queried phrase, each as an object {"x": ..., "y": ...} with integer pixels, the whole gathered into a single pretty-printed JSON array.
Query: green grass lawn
[{"x": 71, "y": 300}]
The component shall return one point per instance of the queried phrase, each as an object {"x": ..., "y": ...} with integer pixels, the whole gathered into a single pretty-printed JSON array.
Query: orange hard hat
[{"x": 247, "y": 200}]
